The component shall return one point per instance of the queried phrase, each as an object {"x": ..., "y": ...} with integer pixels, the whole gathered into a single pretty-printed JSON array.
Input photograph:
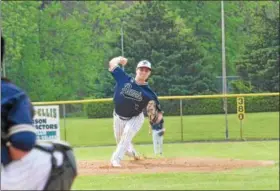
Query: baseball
[{"x": 123, "y": 61}]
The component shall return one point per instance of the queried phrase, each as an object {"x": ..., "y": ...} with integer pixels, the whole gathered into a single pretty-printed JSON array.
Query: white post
[
  {"x": 224, "y": 67},
  {"x": 4, "y": 68},
  {"x": 181, "y": 115},
  {"x": 3, "y": 63},
  {"x": 64, "y": 125},
  {"x": 122, "y": 42}
]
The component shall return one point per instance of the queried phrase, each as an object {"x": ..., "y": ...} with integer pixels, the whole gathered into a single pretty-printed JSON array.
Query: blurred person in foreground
[{"x": 25, "y": 163}]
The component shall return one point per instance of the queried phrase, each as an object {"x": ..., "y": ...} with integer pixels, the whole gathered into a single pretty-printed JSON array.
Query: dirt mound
[{"x": 90, "y": 167}]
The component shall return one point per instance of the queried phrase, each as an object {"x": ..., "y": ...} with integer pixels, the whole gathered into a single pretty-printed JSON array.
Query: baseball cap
[{"x": 144, "y": 64}]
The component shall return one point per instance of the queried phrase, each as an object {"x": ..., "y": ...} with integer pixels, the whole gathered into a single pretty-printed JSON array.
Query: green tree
[
  {"x": 259, "y": 64},
  {"x": 204, "y": 17},
  {"x": 155, "y": 33},
  {"x": 20, "y": 28},
  {"x": 58, "y": 52}
]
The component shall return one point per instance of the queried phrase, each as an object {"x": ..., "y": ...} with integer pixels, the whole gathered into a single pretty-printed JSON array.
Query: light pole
[
  {"x": 122, "y": 42},
  {"x": 224, "y": 74},
  {"x": 3, "y": 67}
]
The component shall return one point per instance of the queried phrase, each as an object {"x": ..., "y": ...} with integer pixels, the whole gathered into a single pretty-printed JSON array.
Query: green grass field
[
  {"x": 261, "y": 178},
  {"x": 92, "y": 132}
]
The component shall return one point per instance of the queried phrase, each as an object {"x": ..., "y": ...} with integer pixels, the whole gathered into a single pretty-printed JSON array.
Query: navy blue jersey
[
  {"x": 131, "y": 98},
  {"x": 157, "y": 126},
  {"x": 16, "y": 120}
]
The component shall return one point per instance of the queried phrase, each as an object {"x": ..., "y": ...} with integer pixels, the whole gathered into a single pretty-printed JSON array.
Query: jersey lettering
[{"x": 130, "y": 93}]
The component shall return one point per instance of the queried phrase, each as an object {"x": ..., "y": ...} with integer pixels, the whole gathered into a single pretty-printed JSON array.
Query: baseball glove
[
  {"x": 152, "y": 111},
  {"x": 161, "y": 133}
]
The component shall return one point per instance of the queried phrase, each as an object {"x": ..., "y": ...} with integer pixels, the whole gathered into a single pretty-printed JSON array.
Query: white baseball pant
[
  {"x": 157, "y": 142},
  {"x": 125, "y": 131},
  {"x": 29, "y": 173}
]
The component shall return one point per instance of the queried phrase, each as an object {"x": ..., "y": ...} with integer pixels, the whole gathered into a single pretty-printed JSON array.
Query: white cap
[{"x": 144, "y": 63}]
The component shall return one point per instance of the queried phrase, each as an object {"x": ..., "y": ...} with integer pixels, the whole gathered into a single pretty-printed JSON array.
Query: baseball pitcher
[{"x": 131, "y": 96}]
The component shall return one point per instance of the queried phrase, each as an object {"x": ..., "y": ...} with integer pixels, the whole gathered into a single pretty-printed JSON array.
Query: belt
[
  {"x": 122, "y": 118},
  {"x": 125, "y": 118}
]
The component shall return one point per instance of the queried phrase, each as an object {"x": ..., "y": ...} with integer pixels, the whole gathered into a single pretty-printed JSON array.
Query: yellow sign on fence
[
  {"x": 240, "y": 112},
  {"x": 240, "y": 108}
]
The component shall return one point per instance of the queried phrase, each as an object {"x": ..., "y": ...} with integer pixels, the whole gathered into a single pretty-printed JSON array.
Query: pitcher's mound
[{"x": 167, "y": 165}]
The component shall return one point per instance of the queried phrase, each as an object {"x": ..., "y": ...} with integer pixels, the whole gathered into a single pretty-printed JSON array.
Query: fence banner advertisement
[{"x": 46, "y": 121}]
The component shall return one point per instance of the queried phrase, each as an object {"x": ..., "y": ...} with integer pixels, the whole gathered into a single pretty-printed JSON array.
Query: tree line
[{"x": 60, "y": 50}]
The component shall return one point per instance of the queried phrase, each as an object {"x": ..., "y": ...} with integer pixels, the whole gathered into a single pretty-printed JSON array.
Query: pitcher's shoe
[{"x": 114, "y": 163}]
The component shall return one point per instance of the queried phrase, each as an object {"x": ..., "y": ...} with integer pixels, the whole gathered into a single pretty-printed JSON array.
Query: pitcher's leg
[
  {"x": 130, "y": 150},
  {"x": 118, "y": 128},
  {"x": 130, "y": 130}
]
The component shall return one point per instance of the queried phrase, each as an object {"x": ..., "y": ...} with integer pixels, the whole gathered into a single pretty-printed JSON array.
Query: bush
[
  {"x": 99, "y": 110},
  {"x": 194, "y": 106}
]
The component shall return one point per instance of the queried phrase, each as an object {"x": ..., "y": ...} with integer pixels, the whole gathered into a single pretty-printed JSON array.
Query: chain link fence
[{"x": 196, "y": 119}]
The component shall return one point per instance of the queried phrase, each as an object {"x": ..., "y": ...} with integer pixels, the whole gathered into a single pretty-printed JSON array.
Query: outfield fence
[{"x": 187, "y": 118}]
